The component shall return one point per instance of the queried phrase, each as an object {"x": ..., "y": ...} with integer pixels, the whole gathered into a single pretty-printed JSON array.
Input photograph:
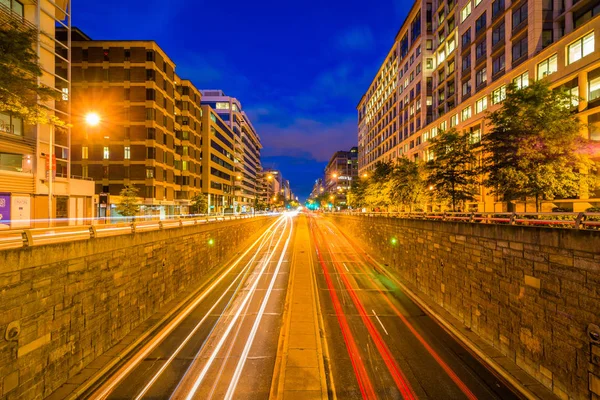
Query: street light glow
[
  {"x": 335, "y": 175},
  {"x": 92, "y": 119}
]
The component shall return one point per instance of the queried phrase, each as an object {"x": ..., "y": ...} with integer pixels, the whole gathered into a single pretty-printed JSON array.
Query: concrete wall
[
  {"x": 530, "y": 292},
  {"x": 73, "y": 301}
]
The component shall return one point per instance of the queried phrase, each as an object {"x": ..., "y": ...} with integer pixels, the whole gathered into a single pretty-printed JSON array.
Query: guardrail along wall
[
  {"x": 530, "y": 292},
  {"x": 63, "y": 305}
]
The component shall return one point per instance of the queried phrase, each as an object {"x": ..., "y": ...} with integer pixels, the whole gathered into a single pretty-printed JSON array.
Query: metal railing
[
  {"x": 22, "y": 238},
  {"x": 573, "y": 220}
]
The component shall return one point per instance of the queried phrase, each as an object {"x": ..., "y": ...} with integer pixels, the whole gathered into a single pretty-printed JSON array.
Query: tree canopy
[
  {"x": 453, "y": 172},
  {"x": 20, "y": 92},
  {"x": 534, "y": 147},
  {"x": 128, "y": 206}
]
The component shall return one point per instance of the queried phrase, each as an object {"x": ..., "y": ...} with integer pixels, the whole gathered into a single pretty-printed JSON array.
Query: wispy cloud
[
  {"x": 356, "y": 38},
  {"x": 307, "y": 137}
]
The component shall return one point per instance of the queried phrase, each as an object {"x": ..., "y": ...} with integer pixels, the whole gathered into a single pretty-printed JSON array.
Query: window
[
  {"x": 84, "y": 152},
  {"x": 149, "y": 55},
  {"x": 466, "y": 88},
  {"x": 498, "y": 64},
  {"x": 466, "y": 62},
  {"x": 149, "y": 173},
  {"x": 522, "y": 81},
  {"x": 475, "y": 135},
  {"x": 480, "y": 77},
  {"x": 150, "y": 94},
  {"x": 127, "y": 153},
  {"x": 481, "y": 105},
  {"x": 14, "y": 6},
  {"x": 106, "y": 153},
  {"x": 547, "y": 37},
  {"x": 594, "y": 85},
  {"x": 547, "y": 67},
  {"x": 465, "y": 12},
  {"x": 519, "y": 49},
  {"x": 429, "y": 44},
  {"x": 127, "y": 55},
  {"x": 497, "y": 7},
  {"x": 127, "y": 76},
  {"x": 441, "y": 56},
  {"x": 480, "y": 23},
  {"x": 451, "y": 45},
  {"x": 498, "y": 34},
  {"x": 466, "y": 38},
  {"x": 466, "y": 113},
  {"x": 499, "y": 95},
  {"x": 11, "y": 124},
  {"x": 480, "y": 50},
  {"x": 594, "y": 126},
  {"x": 222, "y": 105},
  {"x": 580, "y": 48},
  {"x": 519, "y": 16},
  {"x": 429, "y": 63},
  {"x": 453, "y": 120},
  {"x": 150, "y": 114}
]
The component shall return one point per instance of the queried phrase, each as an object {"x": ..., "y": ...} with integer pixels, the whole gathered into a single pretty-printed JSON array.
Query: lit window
[
  {"x": 452, "y": 45},
  {"x": 522, "y": 81},
  {"x": 480, "y": 105},
  {"x": 466, "y": 113},
  {"x": 475, "y": 135},
  {"x": 441, "y": 56},
  {"x": 477, "y": 2},
  {"x": 84, "y": 153},
  {"x": 106, "y": 153},
  {"x": 499, "y": 95},
  {"x": 465, "y": 12},
  {"x": 547, "y": 67},
  {"x": 453, "y": 120},
  {"x": 433, "y": 132},
  {"x": 149, "y": 173},
  {"x": 222, "y": 106},
  {"x": 443, "y": 126},
  {"x": 580, "y": 48},
  {"x": 127, "y": 153},
  {"x": 594, "y": 85}
]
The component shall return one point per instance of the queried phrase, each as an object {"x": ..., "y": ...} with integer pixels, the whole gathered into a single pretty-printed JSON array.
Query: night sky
[{"x": 299, "y": 68}]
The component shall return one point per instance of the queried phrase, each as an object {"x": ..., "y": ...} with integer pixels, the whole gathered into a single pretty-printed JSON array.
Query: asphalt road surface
[{"x": 224, "y": 343}]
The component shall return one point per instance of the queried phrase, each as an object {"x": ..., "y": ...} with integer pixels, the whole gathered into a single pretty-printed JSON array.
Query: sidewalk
[{"x": 300, "y": 370}]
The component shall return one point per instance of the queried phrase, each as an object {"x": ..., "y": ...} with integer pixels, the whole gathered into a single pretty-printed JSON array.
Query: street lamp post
[{"x": 91, "y": 119}]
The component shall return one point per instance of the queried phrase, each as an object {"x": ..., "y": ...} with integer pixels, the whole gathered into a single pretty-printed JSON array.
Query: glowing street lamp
[
  {"x": 335, "y": 175},
  {"x": 92, "y": 119},
  {"x": 365, "y": 175}
]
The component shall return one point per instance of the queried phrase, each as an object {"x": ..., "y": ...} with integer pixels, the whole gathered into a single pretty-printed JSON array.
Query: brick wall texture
[
  {"x": 74, "y": 301},
  {"x": 530, "y": 292}
]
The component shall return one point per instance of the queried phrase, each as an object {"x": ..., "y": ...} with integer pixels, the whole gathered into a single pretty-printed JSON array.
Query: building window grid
[{"x": 580, "y": 48}]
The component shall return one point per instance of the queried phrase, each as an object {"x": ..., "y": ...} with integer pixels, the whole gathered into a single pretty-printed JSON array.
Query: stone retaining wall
[
  {"x": 71, "y": 302},
  {"x": 530, "y": 292}
]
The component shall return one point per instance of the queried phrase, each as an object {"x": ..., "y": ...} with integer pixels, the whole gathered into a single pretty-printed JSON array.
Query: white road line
[
  {"x": 386, "y": 332},
  {"x": 200, "y": 378},
  {"x": 172, "y": 325},
  {"x": 242, "y": 361}
]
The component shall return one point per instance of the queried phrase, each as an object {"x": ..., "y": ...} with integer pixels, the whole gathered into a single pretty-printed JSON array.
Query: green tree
[
  {"x": 534, "y": 148},
  {"x": 128, "y": 206},
  {"x": 199, "y": 204},
  {"x": 453, "y": 172},
  {"x": 20, "y": 92},
  {"x": 378, "y": 190},
  {"x": 408, "y": 184},
  {"x": 356, "y": 194}
]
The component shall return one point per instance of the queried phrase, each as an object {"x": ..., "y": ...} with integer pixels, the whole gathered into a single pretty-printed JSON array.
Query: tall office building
[
  {"x": 340, "y": 171},
  {"x": 247, "y": 146},
  {"x": 27, "y": 152},
  {"x": 451, "y": 62}
]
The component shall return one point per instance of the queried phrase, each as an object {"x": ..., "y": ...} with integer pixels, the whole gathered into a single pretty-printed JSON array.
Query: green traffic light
[
  {"x": 211, "y": 242},
  {"x": 394, "y": 241}
]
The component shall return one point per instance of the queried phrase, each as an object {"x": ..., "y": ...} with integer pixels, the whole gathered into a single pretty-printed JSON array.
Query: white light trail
[
  {"x": 104, "y": 392},
  {"x": 242, "y": 361},
  {"x": 216, "y": 350},
  {"x": 191, "y": 334},
  {"x": 380, "y": 323}
]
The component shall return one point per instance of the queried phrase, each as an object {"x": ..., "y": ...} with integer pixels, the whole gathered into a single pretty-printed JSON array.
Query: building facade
[
  {"x": 453, "y": 60},
  {"x": 150, "y": 131},
  {"x": 247, "y": 147},
  {"x": 218, "y": 162},
  {"x": 28, "y": 191}
]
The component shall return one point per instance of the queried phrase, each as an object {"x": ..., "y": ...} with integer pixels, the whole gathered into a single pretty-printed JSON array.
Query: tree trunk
[{"x": 537, "y": 202}]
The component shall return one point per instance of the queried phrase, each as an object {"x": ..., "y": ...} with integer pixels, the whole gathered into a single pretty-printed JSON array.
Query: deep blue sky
[{"x": 299, "y": 68}]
